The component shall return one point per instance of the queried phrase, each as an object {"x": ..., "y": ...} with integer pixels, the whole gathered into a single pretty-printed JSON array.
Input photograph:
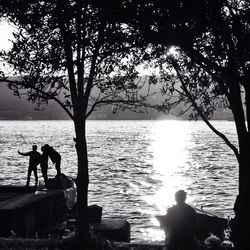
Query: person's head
[
  {"x": 34, "y": 147},
  {"x": 180, "y": 196},
  {"x": 46, "y": 147}
]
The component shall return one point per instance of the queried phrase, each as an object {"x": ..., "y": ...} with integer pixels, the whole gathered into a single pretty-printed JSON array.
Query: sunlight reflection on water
[
  {"x": 135, "y": 166},
  {"x": 169, "y": 156}
]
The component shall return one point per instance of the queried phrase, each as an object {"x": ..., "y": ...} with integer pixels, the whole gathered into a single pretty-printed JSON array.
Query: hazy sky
[{"x": 5, "y": 35}]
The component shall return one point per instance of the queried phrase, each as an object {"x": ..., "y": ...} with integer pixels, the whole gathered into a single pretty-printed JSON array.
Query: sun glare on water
[{"x": 170, "y": 156}]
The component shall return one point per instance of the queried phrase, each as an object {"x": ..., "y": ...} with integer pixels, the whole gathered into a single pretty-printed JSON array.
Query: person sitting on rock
[{"x": 180, "y": 224}]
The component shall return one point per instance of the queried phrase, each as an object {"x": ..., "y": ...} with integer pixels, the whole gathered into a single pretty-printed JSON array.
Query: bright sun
[
  {"x": 173, "y": 50},
  {"x": 6, "y": 31}
]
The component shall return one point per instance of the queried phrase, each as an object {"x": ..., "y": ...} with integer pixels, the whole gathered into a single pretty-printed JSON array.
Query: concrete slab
[{"x": 25, "y": 211}]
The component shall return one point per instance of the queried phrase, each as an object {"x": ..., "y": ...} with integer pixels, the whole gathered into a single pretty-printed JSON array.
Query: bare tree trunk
[
  {"x": 240, "y": 231},
  {"x": 82, "y": 181},
  {"x": 241, "y": 222}
]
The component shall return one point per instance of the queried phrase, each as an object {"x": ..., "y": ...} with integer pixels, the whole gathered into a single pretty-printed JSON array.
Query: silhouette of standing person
[
  {"x": 44, "y": 163},
  {"x": 55, "y": 157},
  {"x": 180, "y": 224},
  {"x": 35, "y": 159}
]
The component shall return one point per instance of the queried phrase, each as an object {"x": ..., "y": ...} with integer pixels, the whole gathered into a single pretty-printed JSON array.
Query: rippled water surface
[{"x": 135, "y": 166}]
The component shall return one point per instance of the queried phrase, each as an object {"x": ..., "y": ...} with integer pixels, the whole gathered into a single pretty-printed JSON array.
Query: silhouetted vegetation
[
  {"x": 68, "y": 48},
  {"x": 69, "y": 52},
  {"x": 210, "y": 70}
]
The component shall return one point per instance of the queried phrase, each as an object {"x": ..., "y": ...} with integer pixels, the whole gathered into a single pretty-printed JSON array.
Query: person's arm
[
  {"x": 24, "y": 154},
  {"x": 169, "y": 217}
]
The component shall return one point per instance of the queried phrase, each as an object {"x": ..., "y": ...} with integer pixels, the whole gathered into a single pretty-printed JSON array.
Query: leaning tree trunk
[
  {"x": 82, "y": 182},
  {"x": 241, "y": 222}
]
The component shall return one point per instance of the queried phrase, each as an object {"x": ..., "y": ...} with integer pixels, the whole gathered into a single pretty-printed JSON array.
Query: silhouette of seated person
[
  {"x": 180, "y": 224},
  {"x": 34, "y": 161},
  {"x": 54, "y": 156}
]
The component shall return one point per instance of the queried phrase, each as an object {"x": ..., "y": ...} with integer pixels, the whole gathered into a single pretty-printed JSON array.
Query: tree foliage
[
  {"x": 67, "y": 48},
  {"x": 70, "y": 52},
  {"x": 212, "y": 70},
  {"x": 70, "y": 48}
]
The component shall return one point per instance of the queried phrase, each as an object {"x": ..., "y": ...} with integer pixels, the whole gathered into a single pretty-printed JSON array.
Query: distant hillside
[{"x": 14, "y": 108}]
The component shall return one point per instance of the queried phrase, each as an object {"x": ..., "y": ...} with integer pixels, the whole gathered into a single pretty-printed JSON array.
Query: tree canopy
[
  {"x": 212, "y": 69},
  {"x": 70, "y": 52},
  {"x": 60, "y": 52},
  {"x": 78, "y": 46}
]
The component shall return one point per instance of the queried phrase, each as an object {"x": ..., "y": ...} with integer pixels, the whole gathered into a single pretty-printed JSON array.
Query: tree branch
[
  {"x": 93, "y": 62},
  {"x": 221, "y": 135},
  {"x": 68, "y": 51}
]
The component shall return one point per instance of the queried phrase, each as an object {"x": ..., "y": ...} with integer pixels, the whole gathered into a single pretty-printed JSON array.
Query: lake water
[{"x": 135, "y": 166}]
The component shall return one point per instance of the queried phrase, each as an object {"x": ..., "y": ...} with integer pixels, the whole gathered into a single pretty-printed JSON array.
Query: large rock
[{"x": 113, "y": 229}]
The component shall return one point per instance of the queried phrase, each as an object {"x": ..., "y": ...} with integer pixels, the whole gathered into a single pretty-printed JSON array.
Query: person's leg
[
  {"x": 28, "y": 176},
  {"x": 35, "y": 174},
  {"x": 45, "y": 172},
  {"x": 58, "y": 166}
]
